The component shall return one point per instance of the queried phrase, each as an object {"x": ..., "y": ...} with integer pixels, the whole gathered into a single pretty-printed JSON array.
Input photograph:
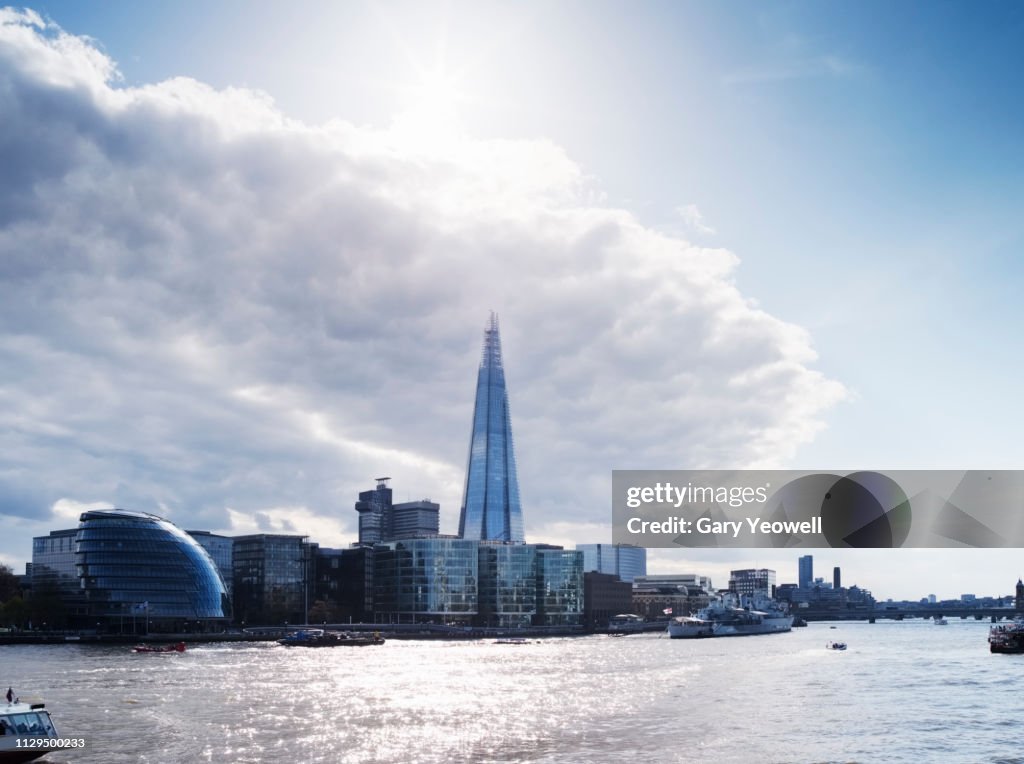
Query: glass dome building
[{"x": 139, "y": 572}]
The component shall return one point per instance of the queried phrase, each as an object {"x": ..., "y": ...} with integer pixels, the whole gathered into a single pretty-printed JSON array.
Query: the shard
[{"x": 490, "y": 502}]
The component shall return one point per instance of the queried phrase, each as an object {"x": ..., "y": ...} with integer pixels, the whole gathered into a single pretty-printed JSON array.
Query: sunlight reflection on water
[{"x": 902, "y": 692}]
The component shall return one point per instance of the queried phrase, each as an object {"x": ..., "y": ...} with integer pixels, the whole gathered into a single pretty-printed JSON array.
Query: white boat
[
  {"x": 625, "y": 623},
  {"x": 940, "y": 621},
  {"x": 729, "y": 617},
  {"x": 26, "y": 732},
  {"x": 836, "y": 645}
]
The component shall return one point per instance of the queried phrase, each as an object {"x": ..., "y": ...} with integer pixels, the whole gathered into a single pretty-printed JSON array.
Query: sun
[
  {"x": 437, "y": 93},
  {"x": 429, "y": 116}
]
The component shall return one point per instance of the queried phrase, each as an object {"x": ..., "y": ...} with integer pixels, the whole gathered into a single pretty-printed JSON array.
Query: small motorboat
[
  {"x": 512, "y": 641},
  {"x": 175, "y": 648},
  {"x": 836, "y": 646},
  {"x": 20, "y": 721}
]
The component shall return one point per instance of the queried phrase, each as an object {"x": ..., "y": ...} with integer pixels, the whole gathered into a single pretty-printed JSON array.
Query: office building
[
  {"x": 682, "y": 593},
  {"x": 691, "y": 581},
  {"x": 374, "y": 508},
  {"x": 623, "y": 560},
  {"x": 57, "y": 595},
  {"x": 508, "y": 584},
  {"x": 491, "y": 508},
  {"x": 342, "y": 585},
  {"x": 604, "y": 596},
  {"x": 559, "y": 587},
  {"x": 414, "y": 519},
  {"x": 272, "y": 578},
  {"x": 426, "y": 581},
  {"x": 381, "y": 520},
  {"x": 219, "y": 548},
  {"x": 750, "y": 581}
]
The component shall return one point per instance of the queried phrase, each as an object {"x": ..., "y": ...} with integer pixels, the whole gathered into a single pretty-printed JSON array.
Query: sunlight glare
[{"x": 431, "y": 120}]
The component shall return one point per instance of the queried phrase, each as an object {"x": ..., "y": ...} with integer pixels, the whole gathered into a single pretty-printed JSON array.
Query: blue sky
[{"x": 862, "y": 161}]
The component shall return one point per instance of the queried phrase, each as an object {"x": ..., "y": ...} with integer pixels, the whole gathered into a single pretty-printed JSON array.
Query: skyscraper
[
  {"x": 806, "y": 577},
  {"x": 374, "y": 508},
  {"x": 490, "y": 503},
  {"x": 380, "y": 520}
]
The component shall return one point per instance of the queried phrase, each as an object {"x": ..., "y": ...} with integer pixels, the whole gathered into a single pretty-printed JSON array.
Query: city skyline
[{"x": 240, "y": 279}]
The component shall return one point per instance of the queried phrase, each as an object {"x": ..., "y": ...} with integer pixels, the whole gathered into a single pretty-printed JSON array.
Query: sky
[{"x": 247, "y": 253}]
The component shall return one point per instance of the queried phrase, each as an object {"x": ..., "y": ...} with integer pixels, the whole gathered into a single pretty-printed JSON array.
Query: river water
[{"x": 902, "y": 692}]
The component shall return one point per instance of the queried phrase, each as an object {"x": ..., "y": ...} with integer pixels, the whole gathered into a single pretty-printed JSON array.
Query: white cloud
[
  {"x": 208, "y": 305},
  {"x": 67, "y": 511},
  {"x": 694, "y": 219},
  {"x": 324, "y": 530}
]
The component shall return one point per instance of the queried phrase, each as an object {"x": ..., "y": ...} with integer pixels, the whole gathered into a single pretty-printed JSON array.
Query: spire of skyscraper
[{"x": 490, "y": 503}]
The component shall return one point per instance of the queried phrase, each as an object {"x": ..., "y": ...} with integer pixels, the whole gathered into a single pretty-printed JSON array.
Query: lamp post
[
  {"x": 304, "y": 560},
  {"x": 305, "y": 584}
]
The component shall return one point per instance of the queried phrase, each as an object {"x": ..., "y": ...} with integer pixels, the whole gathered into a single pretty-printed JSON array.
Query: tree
[
  {"x": 321, "y": 612},
  {"x": 10, "y": 586},
  {"x": 14, "y": 613},
  {"x": 47, "y": 607}
]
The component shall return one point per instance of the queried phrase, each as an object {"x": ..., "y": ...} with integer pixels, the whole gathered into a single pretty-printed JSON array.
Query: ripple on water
[{"x": 902, "y": 693}]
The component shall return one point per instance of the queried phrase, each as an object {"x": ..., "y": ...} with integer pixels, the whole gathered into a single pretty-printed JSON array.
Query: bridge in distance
[{"x": 900, "y": 614}]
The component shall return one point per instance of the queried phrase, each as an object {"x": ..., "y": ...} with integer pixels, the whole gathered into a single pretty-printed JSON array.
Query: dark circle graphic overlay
[{"x": 865, "y": 509}]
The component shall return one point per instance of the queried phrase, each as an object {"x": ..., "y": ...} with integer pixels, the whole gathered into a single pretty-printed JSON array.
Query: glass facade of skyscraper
[
  {"x": 806, "y": 571},
  {"x": 432, "y": 580},
  {"x": 374, "y": 508},
  {"x": 380, "y": 520},
  {"x": 508, "y": 584},
  {"x": 491, "y": 509},
  {"x": 135, "y": 567},
  {"x": 632, "y": 561}
]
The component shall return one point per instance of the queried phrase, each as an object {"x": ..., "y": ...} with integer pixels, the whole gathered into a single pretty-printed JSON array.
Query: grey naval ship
[{"x": 728, "y": 616}]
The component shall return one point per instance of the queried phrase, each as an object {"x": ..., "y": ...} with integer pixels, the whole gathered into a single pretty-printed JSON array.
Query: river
[{"x": 902, "y": 692}]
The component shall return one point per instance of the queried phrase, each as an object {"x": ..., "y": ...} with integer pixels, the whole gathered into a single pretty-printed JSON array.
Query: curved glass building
[{"x": 140, "y": 572}]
